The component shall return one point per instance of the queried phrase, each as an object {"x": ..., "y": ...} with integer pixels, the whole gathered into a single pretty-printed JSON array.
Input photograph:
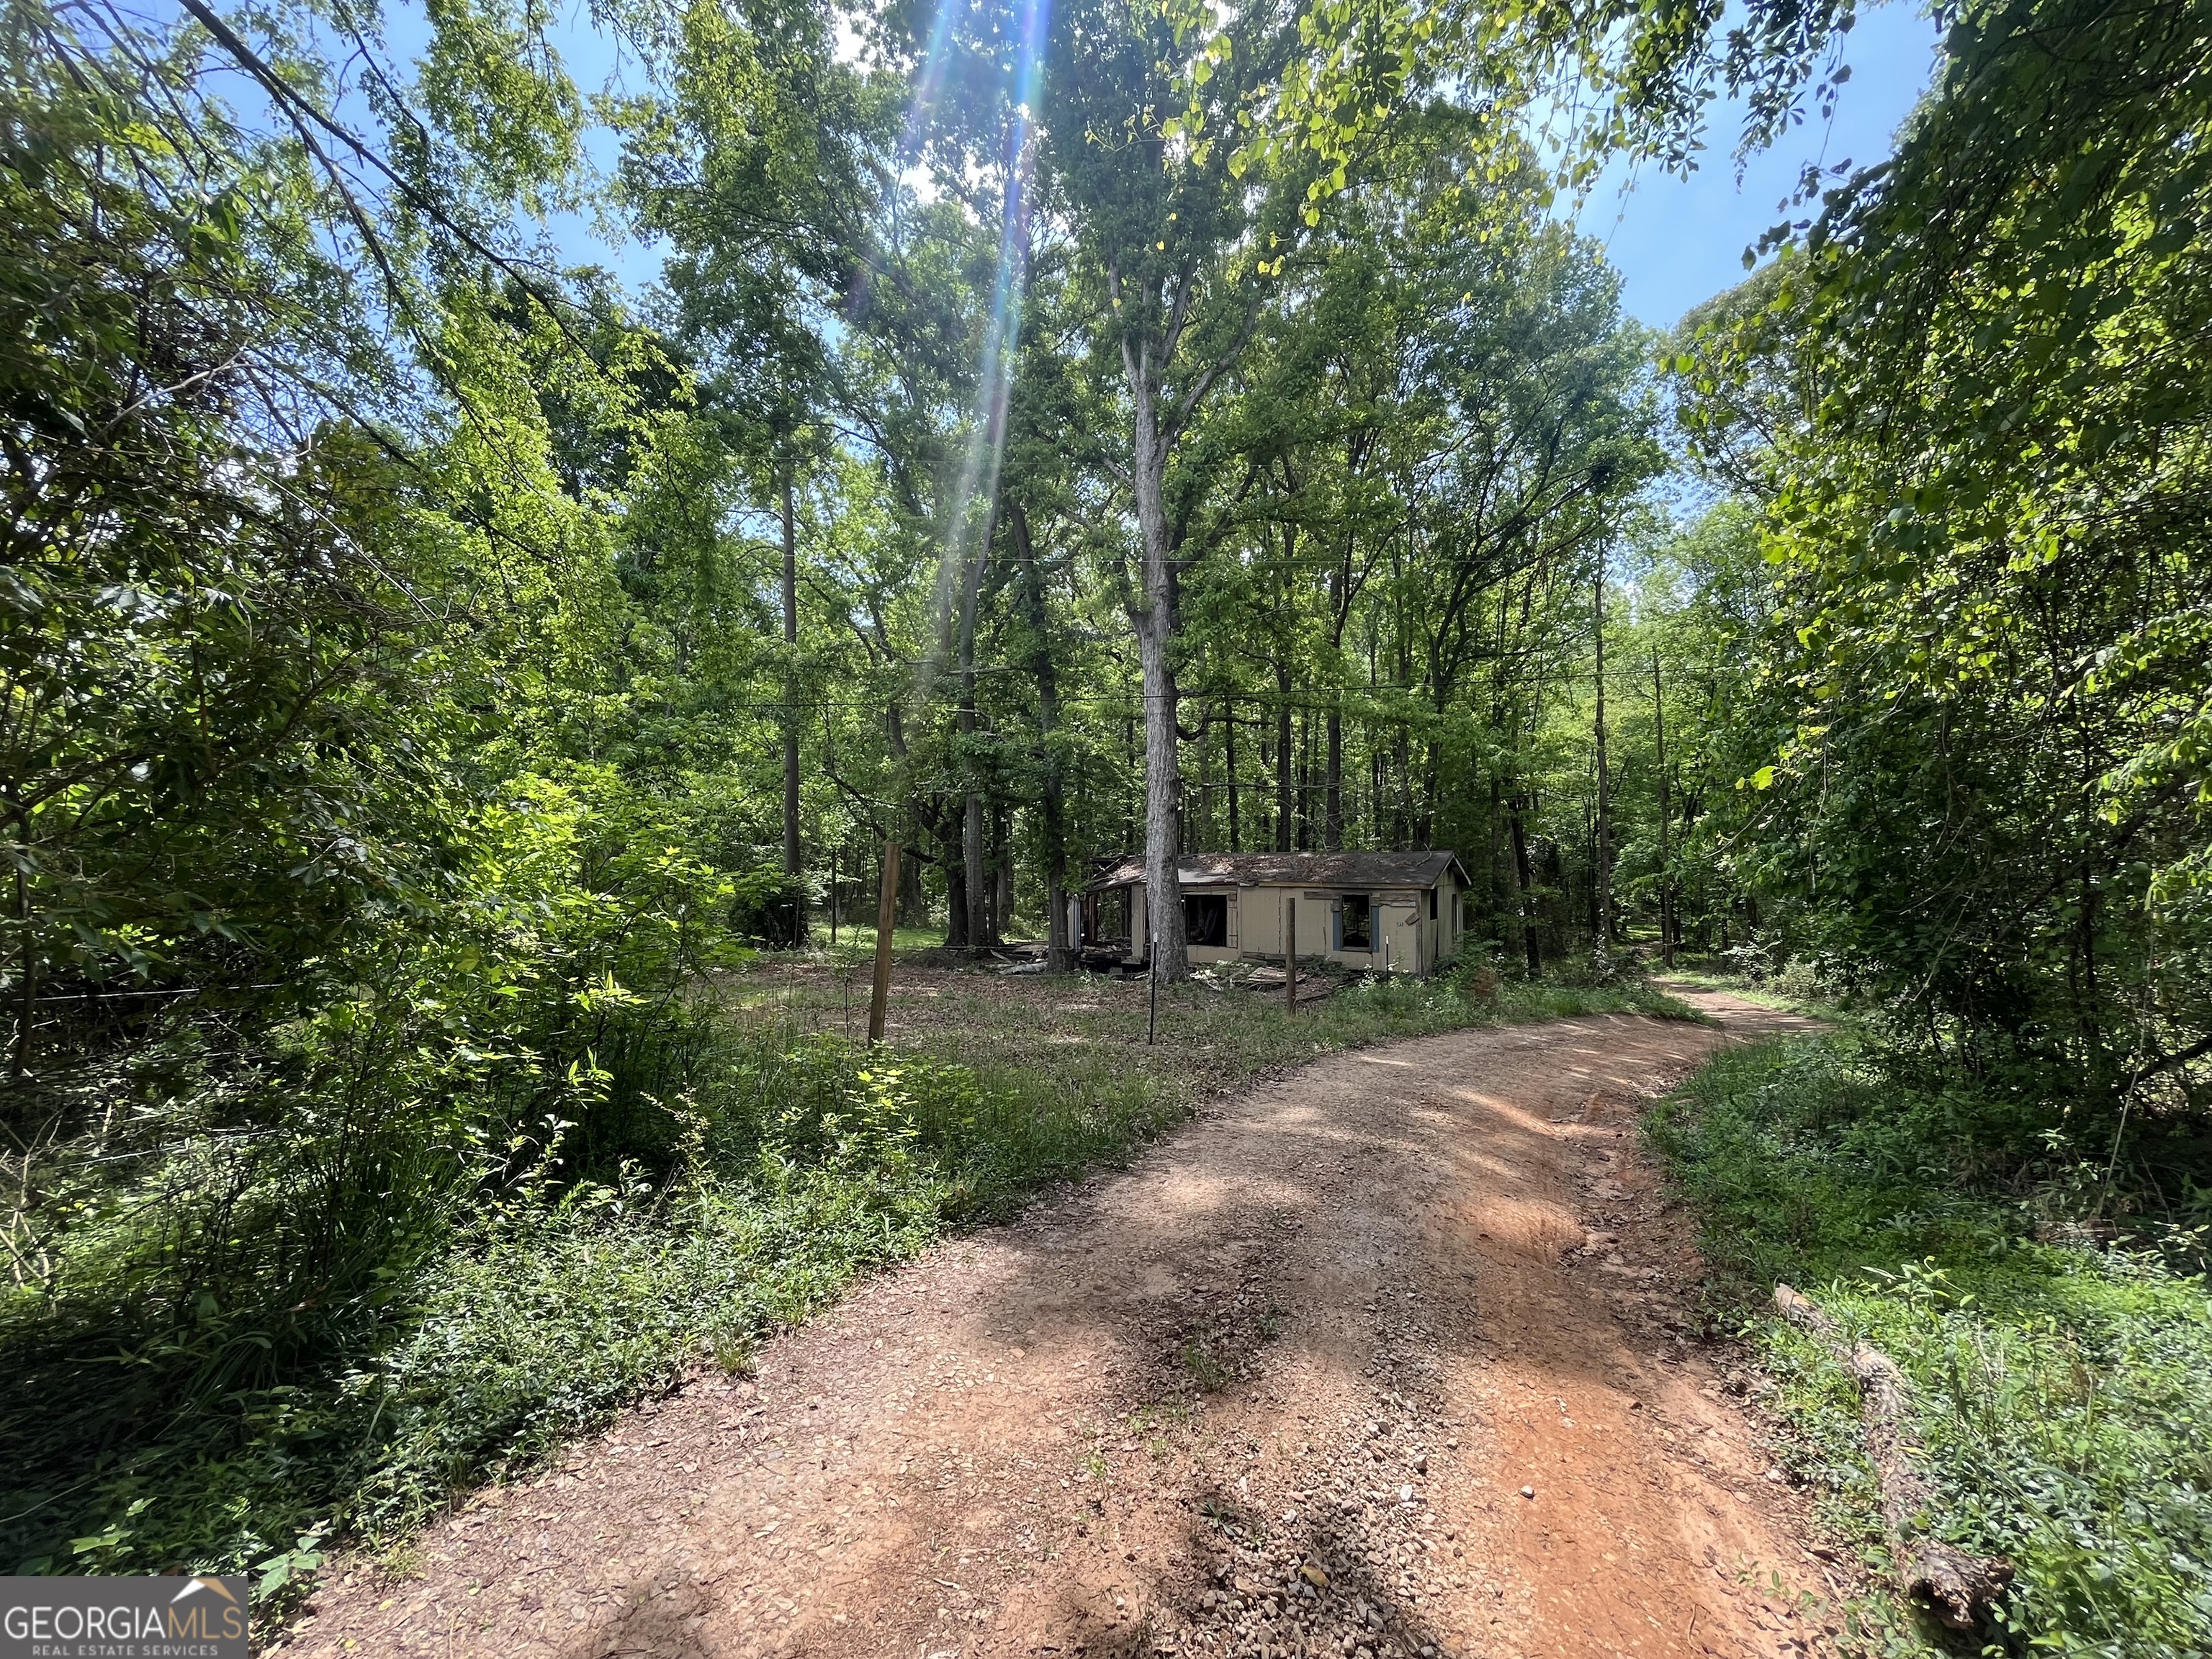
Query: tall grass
[{"x": 2061, "y": 1397}]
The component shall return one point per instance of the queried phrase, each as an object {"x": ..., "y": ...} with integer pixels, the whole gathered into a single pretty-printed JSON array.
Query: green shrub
[
  {"x": 2059, "y": 1388},
  {"x": 518, "y": 1324}
]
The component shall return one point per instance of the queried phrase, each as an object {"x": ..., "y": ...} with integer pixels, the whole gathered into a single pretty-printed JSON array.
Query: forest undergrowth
[
  {"x": 733, "y": 1162},
  {"x": 2058, "y": 1361}
]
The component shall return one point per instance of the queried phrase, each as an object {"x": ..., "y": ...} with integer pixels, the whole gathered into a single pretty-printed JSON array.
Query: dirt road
[{"x": 1389, "y": 1358}]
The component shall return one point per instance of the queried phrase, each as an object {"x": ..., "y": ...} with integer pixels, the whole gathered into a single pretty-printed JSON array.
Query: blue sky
[{"x": 1677, "y": 242}]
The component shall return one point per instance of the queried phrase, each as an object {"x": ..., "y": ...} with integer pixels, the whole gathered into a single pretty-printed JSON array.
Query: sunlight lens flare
[{"x": 976, "y": 491}]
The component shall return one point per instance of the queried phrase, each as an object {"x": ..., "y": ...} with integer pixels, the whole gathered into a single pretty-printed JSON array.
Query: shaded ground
[
  {"x": 1388, "y": 1356},
  {"x": 1215, "y": 1031}
]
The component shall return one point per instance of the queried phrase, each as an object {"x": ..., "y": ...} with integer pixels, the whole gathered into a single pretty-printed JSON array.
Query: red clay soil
[{"x": 1389, "y": 1358}]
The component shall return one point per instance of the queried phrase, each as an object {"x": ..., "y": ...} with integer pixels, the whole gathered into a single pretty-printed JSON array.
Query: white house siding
[
  {"x": 1258, "y": 908},
  {"x": 1257, "y": 914}
]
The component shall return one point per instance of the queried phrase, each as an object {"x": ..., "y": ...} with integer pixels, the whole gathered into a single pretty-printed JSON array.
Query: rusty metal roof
[{"x": 1353, "y": 872}]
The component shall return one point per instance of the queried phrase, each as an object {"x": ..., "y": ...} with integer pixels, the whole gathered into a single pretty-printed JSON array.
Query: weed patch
[{"x": 1210, "y": 1374}]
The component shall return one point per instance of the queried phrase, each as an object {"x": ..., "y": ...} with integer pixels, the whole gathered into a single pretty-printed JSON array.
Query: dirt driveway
[{"x": 1386, "y": 1359}]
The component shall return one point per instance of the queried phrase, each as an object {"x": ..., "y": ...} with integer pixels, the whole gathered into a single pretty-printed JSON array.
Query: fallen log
[{"x": 1959, "y": 1586}]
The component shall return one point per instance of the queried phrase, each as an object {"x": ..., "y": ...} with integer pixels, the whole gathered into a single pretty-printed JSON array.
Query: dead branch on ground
[{"x": 1959, "y": 1586}]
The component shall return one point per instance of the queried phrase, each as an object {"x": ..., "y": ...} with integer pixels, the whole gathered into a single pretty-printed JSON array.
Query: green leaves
[
  {"x": 1975, "y": 403},
  {"x": 491, "y": 81},
  {"x": 282, "y": 1570}
]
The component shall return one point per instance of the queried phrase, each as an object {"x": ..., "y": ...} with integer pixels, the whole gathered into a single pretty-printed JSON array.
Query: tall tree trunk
[
  {"x": 975, "y": 871},
  {"x": 1424, "y": 820},
  {"x": 1153, "y": 321},
  {"x": 1595, "y": 920},
  {"x": 1493, "y": 865},
  {"x": 1305, "y": 782},
  {"x": 1607, "y": 927},
  {"x": 926, "y": 816},
  {"x": 913, "y": 900},
  {"x": 1374, "y": 752},
  {"x": 1519, "y": 826},
  {"x": 1374, "y": 791},
  {"x": 1060, "y": 947},
  {"x": 1333, "y": 823},
  {"x": 1155, "y": 622},
  {"x": 1403, "y": 761},
  {"x": 975, "y": 867},
  {"x": 994, "y": 915},
  {"x": 1229, "y": 746},
  {"x": 1002, "y": 876},
  {"x": 1202, "y": 831},
  {"x": 1404, "y": 757},
  {"x": 957, "y": 936},
  {"x": 1285, "y": 760},
  {"x": 791, "y": 709},
  {"x": 1267, "y": 837},
  {"x": 1339, "y": 608}
]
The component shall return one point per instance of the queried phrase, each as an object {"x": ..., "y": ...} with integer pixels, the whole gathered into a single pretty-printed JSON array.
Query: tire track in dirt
[{"x": 1277, "y": 1390}]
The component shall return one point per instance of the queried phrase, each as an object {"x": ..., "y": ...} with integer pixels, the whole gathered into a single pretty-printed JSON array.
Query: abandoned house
[{"x": 1394, "y": 912}]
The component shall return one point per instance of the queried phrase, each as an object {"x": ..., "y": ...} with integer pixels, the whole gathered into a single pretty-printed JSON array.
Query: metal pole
[
  {"x": 1291, "y": 947},
  {"x": 886, "y": 916}
]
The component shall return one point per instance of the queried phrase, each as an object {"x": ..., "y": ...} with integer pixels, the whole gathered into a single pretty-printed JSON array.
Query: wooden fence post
[{"x": 1291, "y": 947}]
